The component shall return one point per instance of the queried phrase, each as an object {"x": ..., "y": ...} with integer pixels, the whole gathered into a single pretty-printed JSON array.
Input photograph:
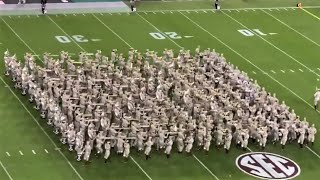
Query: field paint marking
[
  {"x": 318, "y": 69},
  {"x": 145, "y": 12},
  {"x": 35, "y": 120},
  {"x": 57, "y": 15},
  {"x": 197, "y": 12},
  {"x": 111, "y": 30},
  {"x": 311, "y": 14},
  {"x": 65, "y": 14},
  {"x": 291, "y": 70},
  {"x": 254, "y": 72},
  {"x": 5, "y": 170},
  {"x": 301, "y": 70},
  {"x": 8, "y": 154},
  {"x": 271, "y": 9},
  {"x": 65, "y": 33},
  {"x": 282, "y": 71},
  {"x": 313, "y": 152},
  {"x": 273, "y": 45},
  {"x": 240, "y": 55},
  {"x": 291, "y": 28},
  {"x": 21, "y": 153},
  {"x": 46, "y": 150},
  {"x": 34, "y": 152},
  {"x": 10, "y": 17},
  {"x": 253, "y": 9},
  {"x": 84, "y": 14},
  {"x": 273, "y": 71},
  {"x": 158, "y": 30},
  {"x": 285, "y": 9},
  {"x": 238, "y": 10},
  {"x": 140, "y": 168},
  {"x": 278, "y": 9},
  {"x": 162, "y": 12},
  {"x": 171, "y": 12},
  {"x": 20, "y": 38},
  {"x": 154, "y": 13},
  {"x": 119, "y": 14},
  {"x": 74, "y": 15},
  {"x": 245, "y": 10},
  {"x": 206, "y": 167}
]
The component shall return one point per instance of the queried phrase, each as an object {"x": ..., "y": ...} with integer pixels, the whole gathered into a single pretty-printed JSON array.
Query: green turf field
[{"x": 279, "y": 47}]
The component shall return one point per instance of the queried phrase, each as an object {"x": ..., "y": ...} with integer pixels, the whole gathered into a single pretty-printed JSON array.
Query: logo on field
[{"x": 267, "y": 166}]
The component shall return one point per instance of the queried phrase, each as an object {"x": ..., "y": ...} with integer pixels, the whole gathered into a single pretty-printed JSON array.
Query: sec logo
[{"x": 267, "y": 166}]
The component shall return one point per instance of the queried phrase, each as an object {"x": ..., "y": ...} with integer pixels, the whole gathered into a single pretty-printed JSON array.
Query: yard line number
[
  {"x": 248, "y": 32},
  {"x": 66, "y": 39},
  {"x": 160, "y": 36}
]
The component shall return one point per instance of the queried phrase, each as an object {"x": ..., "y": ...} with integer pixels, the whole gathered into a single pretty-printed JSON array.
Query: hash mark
[
  {"x": 171, "y": 12},
  {"x": 162, "y": 12},
  {"x": 282, "y": 71},
  {"x": 145, "y": 12},
  {"x": 46, "y": 150},
  {"x": 83, "y": 14},
  {"x": 277, "y": 9},
  {"x": 301, "y": 70},
  {"x": 76, "y": 15},
  {"x": 293, "y": 8},
  {"x": 204, "y": 11},
  {"x": 286, "y": 9},
  {"x": 18, "y": 16},
  {"x": 197, "y": 12},
  {"x": 254, "y": 72},
  {"x": 37, "y": 16},
  {"x": 245, "y": 10},
  {"x": 238, "y": 10},
  {"x": 65, "y": 14},
  {"x": 273, "y": 71},
  {"x": 229, "y": 10},
  {"x": 119, "y": 13},
  {"x": 8, "y": 154},
  {"x": 154, "y": 12},
  {"x": 101, "y": 14},
  {"x": 270, "y": 9},
  {"x": 318, "y": 69},
  {"x": 34, "y": 152},
  {"x": 213, "y": 11},
  {"x": 21, "y": 153},
  {"x": 10, "y": 17},
  {"x": 291, "y": 70},
  {"x": 253, "y": 9}
]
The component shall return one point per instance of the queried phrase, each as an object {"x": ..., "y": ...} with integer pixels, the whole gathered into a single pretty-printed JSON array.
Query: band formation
[{"x": 98, "y": 104}]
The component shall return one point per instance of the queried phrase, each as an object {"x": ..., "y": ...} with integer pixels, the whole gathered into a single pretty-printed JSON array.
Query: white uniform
[
  {"x": 126, "y": 151},
  {"x": 311, "y": 133},
  {"x": 189, "y": 144},
  {"x": 107, "y": 148},
  {"x": 87, "y": 151},
  {"x": 168, "y": 146},
  {"x": 316, "y": 98}
]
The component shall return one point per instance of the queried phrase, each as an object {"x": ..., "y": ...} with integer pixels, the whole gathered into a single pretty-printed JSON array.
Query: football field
[{"x": 277, "y": 46}]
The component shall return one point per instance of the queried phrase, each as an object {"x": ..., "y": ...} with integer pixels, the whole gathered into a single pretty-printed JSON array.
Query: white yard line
[
  {"x": 158, "y": 30},
  {"x": 21, "y": 153},
  {"x": 291, "y": 28},
  {"x": 111, "y": 30},
  {"x": 20, "y": 38},
  {"x": 5, "y": 170},
  {"x": 35, "y": 120},
  {"x": 140, "y": 168},
  {"x": 276, "y": 47},
  {"x": 65, "y": 33},
  {"x": 313, "y": 152},
  {"x": 244, "y": 58},
  {"x": 206, "y": 168}
]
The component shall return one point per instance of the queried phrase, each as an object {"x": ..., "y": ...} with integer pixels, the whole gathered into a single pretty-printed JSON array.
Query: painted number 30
[
  {"x": 164, "y": 35},
  {"x": 77, "y": 38},
  {"x": 247, "y": 32}
]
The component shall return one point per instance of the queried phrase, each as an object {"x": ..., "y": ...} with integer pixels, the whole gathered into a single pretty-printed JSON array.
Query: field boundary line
[
  {"x": 158, "y": 30},
  {"x": 276, "y": 47},
  {"x": 111, "y": 30},
  {"x": 288, "y": 26},
  {"x": 65, "y": 33},
  {"x": 5, "y": 170},
  {"x": 206, "y": 167},
  {"x": 140, "y": 168},
  {"x": 254, "y": 65},
  {"x": 229, "y": 9}
]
